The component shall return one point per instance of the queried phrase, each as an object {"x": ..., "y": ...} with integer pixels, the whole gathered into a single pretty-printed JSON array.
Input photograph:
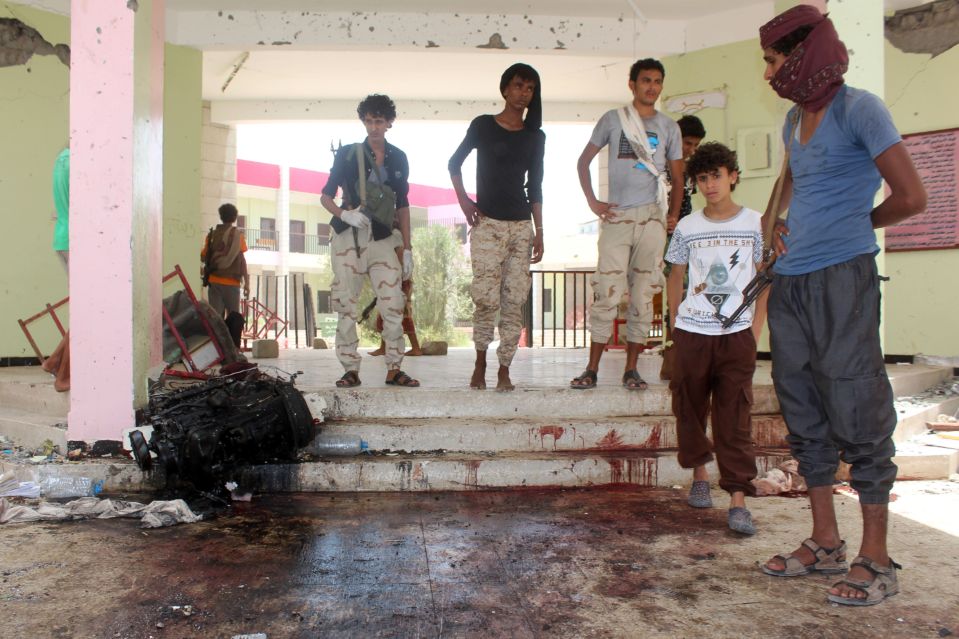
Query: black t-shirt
[{"x": 509, "y": 168}]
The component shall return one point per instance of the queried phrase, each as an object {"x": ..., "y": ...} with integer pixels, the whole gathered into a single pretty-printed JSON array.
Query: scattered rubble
[{"x": 947, "y": 390}]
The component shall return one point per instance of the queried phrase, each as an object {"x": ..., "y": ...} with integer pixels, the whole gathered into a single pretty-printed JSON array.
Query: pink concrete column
[{"x": 116, "y": 193}]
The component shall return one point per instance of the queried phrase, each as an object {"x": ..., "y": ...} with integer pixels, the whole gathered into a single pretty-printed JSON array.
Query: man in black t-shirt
[{"x": 503, "y": 243}]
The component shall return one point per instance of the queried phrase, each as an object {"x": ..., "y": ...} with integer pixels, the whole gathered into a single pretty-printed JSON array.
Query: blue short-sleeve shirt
[{"x": 835, "y": 180}]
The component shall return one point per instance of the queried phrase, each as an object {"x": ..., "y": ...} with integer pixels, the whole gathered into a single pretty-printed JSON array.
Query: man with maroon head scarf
[{"x": 828, "y": 367}]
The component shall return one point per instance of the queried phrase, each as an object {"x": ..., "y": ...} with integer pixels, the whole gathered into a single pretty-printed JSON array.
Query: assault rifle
[{"x": 764, "y": 277}]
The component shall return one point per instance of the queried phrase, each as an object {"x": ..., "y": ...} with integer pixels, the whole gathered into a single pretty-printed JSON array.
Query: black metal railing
[
  {"x": 266, "y": 240},
  {"x": 557, "y": 311},
  {"x": 281, "y": 307}
]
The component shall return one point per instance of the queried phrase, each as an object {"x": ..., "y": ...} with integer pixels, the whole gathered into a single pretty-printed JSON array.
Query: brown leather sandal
[
  {"x": 884, "y": 583},
  {"x": 585, "y": 381},
  {"x": 402, "y": 379},
  {"x": 829, "y": 561},
  {"x": 349, "y": 380}
]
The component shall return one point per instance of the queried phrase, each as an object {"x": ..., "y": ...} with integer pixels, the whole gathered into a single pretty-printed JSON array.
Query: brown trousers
[{"x": 714, "y": 375}]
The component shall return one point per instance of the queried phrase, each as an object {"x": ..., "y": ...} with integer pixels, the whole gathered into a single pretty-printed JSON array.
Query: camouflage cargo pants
[
  {"x": 500, "y": 252},
  {"x": 630, "y": 259},
  {"x": 376, "y": 260}
]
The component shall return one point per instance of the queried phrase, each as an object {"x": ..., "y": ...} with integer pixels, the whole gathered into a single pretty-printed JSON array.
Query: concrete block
[
  {"x": 320, "y": 343},
  {"x": 266, "y": 349},
  {"x": 435, "y": 348}
]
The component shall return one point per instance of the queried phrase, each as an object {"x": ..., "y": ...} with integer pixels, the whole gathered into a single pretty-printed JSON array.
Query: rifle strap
[
  {"x": 360, "y": 157},
  {"x": 772, "y": 214}
]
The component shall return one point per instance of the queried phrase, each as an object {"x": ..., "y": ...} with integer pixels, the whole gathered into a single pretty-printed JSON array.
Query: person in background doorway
[
  {"x": 503, "y": 243},
  {"x": 58, "y": 364},
  {"x": 693, "y": 132},
  {"x": 228, "y": 273},
  {"x": 828, "y": 367}
]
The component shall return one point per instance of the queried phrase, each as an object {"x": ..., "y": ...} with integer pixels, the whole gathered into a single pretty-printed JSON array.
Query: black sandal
[
  {"x": 585, "y": 381},
  {"x": 632, "y": 381},
  {"x": 349, "y": 380},
  {"x": 402, "y": 379}
]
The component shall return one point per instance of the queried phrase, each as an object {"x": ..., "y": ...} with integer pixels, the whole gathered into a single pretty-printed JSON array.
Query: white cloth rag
[
  {"x": 635, "y": 132},
  {"x": 156, "y": 514}
]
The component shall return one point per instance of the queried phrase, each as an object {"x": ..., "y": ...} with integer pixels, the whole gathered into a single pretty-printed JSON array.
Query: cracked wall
[
  {"x": 34, "y": 127},
  {"x": 932, "y": 28},
  {"x": 34, "y": 113},
  {"x": 19, "y": 42}
]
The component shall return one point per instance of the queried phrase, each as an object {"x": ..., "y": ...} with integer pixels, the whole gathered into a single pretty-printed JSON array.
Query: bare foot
[
  {"x": 413, "y": 352},
  {"x": 503, "y": 383},
  {"x": 478, "y": 380},
  {"x": 377, "y": 352}
]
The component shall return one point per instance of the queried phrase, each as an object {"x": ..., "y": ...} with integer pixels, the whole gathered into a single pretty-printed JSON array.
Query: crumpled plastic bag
[{"x": 156, "y": 514}]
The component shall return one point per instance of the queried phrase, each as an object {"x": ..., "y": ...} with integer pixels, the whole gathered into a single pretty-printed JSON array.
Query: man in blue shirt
[{"x": 828, "y": 367}]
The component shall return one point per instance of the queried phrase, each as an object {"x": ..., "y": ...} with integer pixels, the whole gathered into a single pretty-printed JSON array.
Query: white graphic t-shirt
[{"x": 722, "y": 257}]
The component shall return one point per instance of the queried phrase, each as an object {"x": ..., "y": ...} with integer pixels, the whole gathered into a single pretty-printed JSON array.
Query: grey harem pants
[{"x": 830, "y": 377}]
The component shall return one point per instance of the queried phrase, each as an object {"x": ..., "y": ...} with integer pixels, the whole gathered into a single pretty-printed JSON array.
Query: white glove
[
  {"x": 407, "y": 264},
  {"x": 355, "y": 219}
]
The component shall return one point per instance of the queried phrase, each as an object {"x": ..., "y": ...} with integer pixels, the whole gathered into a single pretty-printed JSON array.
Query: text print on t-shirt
[{"x": 626, "y": 149}]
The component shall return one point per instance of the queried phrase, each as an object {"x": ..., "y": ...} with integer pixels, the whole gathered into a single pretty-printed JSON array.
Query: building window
[
  {"x": 548, "y": 300},
  {"x": 268, "y": 228},
  {"x": 324, "y": 302},
  {"x": 241, "y": 222},
  {"x": 323, "y": 233},
  {"x": 297, "y": 236}
]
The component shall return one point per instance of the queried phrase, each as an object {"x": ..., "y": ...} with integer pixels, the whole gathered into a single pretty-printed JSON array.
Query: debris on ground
[
  {"x": 945, "y": 422},
  {"x": 10, "y": 486},
  {"x": 208, "y": 434},
  {"x": 785, "y": 478},
  {"x": 156, "y": 514},
  {"x": 939, "y": 393}
]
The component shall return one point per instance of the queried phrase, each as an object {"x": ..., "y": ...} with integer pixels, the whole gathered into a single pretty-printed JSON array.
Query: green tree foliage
[{"x": 441, "y": 282}]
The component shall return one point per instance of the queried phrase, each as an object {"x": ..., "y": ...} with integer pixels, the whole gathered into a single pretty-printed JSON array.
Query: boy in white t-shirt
[{"x": 722, "y": 246}]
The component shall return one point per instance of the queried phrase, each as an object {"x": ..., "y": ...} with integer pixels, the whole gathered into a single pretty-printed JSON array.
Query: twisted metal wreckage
[{"x": 209, "y": 434}]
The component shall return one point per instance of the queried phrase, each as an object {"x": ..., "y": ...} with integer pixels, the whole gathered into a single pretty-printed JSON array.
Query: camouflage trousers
[
  {"x": 500, "y": 252},
  {"x": 630, "y": 259},
  {"x": 377, "y": 260}
]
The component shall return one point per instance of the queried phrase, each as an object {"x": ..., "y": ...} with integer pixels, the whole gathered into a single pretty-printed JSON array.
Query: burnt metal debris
[{"x": 209, "y": 433}]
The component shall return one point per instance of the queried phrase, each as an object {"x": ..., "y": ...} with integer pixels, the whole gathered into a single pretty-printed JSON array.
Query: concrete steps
[
  {"x": 432, "y": 471},
  {"x": 458, "y": 439},
  {"x": 480, "y": 435},
  {"x": 562, "y": 402}
]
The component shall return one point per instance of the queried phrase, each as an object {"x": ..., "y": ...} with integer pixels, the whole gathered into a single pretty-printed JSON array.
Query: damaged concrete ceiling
[{"x": 304, "y": 55}]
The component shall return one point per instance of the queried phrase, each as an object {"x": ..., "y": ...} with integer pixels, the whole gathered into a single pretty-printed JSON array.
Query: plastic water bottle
[
  {"x": 55, "y": 487},
  {"x": 337, "y": 445}
]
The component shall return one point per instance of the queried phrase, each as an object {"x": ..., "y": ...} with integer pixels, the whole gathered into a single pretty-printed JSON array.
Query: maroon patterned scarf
[{"x": 812, "y": 73}]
